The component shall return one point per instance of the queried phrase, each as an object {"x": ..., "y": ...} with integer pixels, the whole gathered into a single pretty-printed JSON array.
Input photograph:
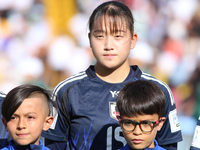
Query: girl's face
[
  {"x": 28, "y": 121},
  {"x": 111, "y": 45}
]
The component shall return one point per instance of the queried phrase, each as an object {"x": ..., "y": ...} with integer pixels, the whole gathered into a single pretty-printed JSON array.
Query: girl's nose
[{"x": 108, "y": 43}]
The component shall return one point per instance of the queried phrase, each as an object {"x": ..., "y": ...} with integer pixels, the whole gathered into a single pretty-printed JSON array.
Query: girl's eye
[
  {"x": 118, "y": 36},
  {"x": 99, "y": 36}
]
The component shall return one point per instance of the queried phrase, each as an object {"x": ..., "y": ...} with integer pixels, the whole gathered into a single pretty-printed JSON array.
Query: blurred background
[{"x": 45, "y": 41}]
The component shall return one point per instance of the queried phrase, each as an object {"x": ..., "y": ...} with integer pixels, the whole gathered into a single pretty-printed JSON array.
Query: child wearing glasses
[
  {"x": 141, "y": 106},
  {"x": 26, "y": 112}
]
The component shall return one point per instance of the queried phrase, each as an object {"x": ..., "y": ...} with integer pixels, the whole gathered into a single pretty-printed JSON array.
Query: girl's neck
[{"x": 117, "y": 75}]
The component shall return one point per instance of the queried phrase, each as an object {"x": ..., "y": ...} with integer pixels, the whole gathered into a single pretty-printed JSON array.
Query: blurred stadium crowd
[{"x": 45, "y": 41}]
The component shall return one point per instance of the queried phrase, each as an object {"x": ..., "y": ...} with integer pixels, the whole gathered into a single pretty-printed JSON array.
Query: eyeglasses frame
[{"x": 155, "y": 123}]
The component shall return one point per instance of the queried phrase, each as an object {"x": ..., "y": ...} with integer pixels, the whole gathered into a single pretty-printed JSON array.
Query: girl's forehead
[{"x": 111, "y": 24}]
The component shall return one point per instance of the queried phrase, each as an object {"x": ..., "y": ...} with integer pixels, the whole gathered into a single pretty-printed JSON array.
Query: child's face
[
  {"x": 111, "y": 48},
  {"x": 137, "y": 139},
  {"x": 28, "y": 121}
]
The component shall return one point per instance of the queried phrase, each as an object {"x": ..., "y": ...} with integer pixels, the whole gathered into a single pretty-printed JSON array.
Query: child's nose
[
  {"x": 21, "y": 123},
  {"x": 137, "y": 129}
]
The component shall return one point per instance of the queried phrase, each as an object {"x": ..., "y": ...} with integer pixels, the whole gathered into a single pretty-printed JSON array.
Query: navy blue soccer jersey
[
  {"x": 196, "y": 138},
  {"x": 87, "y": 114},
  {"x": 3, "y": 133}
]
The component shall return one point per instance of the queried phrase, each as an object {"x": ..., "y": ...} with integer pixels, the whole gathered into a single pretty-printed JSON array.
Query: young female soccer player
[
  {"x": 141, "y": 105},
  {"x": 87, "y": 116},
  {"x": 26, "y": 112}
]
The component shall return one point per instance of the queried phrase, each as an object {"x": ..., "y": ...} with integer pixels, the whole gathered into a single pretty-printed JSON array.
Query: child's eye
[
  {"x": 13, "y": 117},
  {"x": 31, "y": 117},
  {"x": 128, "y": 122}
]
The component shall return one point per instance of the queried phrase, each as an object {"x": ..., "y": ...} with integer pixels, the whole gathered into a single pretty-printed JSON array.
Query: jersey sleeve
[
  {"x": 59, "y": 129},
  {"x": 196, "y": 137},
  {"x": 171, "y": 131},
  {"x": 4, "y": 135}
]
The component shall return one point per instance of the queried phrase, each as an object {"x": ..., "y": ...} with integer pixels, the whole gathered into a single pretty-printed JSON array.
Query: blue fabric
[
  {"x": 157, "y": 147},
  {"x": 11, "y": 146},
  {"x": 4, "y": 135},
  {"x": 87, "y": 107}
]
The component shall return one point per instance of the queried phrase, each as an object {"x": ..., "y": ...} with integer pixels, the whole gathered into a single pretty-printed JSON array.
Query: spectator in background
[{"x": 27, "y": 28}]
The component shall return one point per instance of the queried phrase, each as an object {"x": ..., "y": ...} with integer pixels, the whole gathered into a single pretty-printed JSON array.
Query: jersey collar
[{"x": 135, "y": 72}]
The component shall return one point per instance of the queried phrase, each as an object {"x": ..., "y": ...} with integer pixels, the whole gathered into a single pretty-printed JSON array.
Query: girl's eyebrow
[
  {"x": 119, "y": 31},
  {"x": 97, "y": 31},
  {"x": 103, "y": 31}
]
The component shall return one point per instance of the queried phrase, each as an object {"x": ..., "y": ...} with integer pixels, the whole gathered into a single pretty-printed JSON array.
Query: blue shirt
[
  {"x": 87, "y": 112},
  {"x": 11, "y": 146},
  {"x": 4, "y": 135},
  {"x": 157, "y": 147}
]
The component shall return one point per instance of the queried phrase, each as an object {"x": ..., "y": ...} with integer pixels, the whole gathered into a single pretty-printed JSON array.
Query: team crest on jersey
[{"x": 113, "y": 110}]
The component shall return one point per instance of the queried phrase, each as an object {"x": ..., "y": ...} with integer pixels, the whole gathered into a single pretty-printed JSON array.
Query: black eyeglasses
[{"x": 145, "y": 126}]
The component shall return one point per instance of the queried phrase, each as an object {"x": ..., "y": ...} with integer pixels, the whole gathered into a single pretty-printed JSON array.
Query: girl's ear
[
  {"x": 134, "y": 40},
  {"x": 89, "y": 38},
  {"x": 161, "y": 123},
  {"x": 4, "y": 122},
  {"x": 48, "y": 122}
]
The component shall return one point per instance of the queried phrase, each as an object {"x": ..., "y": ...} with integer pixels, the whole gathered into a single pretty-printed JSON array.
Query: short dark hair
[
  {"x": 113, "y": 10},
  {"x": 141, "y": 97},
  {"x": 17, "y": 95}
]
